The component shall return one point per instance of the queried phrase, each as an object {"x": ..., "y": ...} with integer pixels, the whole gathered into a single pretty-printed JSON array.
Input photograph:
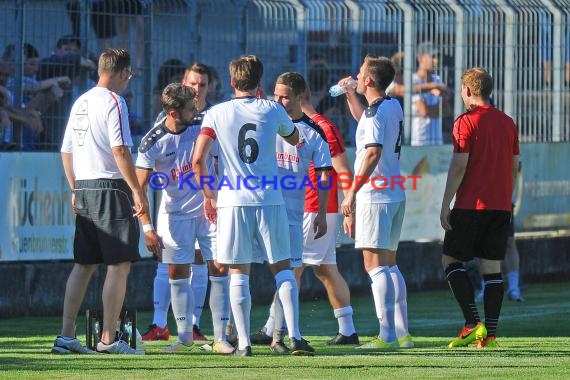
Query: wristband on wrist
[{"x": 147, "y": 228}]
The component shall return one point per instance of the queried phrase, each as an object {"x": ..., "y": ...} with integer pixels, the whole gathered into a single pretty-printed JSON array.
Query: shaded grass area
[{"x": 533, "y": 340}]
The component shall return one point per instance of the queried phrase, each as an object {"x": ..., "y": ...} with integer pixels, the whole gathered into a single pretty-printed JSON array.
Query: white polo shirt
[{"x": 99, "y": 120}]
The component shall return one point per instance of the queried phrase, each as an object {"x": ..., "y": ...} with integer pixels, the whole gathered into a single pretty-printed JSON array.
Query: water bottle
[{"x": 337, "y": 90}]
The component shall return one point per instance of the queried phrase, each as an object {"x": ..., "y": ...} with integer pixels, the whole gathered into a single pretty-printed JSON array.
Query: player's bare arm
[
  {"x": 152, "y": 240},
  {"x": 516, "y": 171},
  {"x": 124, "y": 160},
  {"x": 320, "y": 222},
  {"x": 201, "y": 151},
  {"x": 67, "y": 160},
  {"x": 369, "y": 162},
  {"x": 454, "y": 179},
  {"x": 340, "y": 165}
]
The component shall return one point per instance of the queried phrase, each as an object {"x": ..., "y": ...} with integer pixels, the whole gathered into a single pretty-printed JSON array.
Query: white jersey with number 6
[{"x": 245, "y": 130}]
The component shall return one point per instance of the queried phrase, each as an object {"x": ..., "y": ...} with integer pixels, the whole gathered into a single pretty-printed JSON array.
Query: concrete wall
[{"x": 38, "y": 288}]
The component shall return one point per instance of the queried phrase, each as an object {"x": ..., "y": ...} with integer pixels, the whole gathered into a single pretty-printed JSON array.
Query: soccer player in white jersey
[
  {"x": 106, "y": 199},
  {"x": 378, "y": 198},
  {"x": 167, "y": 149},
  {"x": 198, "y": 77},
  {"x": 294, "y": 163},
  {"x": 249, "y": 206}
]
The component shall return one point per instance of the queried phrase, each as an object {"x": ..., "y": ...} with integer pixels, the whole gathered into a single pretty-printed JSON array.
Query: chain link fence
[{"x": 50, "y": 48}]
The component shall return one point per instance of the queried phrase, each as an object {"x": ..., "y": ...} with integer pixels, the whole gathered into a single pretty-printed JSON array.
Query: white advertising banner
[
  {"x": 36, "y": 219},
  {"x": 37, "y": 223}
]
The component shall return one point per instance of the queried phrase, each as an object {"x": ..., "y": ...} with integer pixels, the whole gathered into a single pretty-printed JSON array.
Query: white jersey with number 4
[
  {"x": 245, "y": 130},
  {"x": 381, "y": 125}
]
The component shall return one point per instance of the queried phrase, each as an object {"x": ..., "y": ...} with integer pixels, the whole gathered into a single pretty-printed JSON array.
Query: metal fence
[{"x": 525, "y": 44}]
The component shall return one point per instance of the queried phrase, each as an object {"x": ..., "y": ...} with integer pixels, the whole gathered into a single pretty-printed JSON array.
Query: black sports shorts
[
  {"x": 477, "y": 233},
  {"x": 105, "y": 229}
]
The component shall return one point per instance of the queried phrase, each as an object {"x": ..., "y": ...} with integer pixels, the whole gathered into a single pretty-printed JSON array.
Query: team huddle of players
[{"x": 231, "y": 227}]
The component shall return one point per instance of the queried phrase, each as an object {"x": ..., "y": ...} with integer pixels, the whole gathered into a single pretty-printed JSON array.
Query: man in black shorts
[
  {"x": 481, "y": 177},
  {"x": 106, "y": 199}
]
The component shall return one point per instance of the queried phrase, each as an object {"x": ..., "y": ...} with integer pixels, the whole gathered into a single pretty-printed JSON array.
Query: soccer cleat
[
  {"x": 515, "y": 296},
  {"x": 406, "y": 342},
  {"x": 343, "y": 339},
  {"x": 223, "y": 347},
  {"x": 70, "y": 346},
  {"x": 156, "y": 333},
  {"x": 378, "y": 344},
  {"x": 233, "y": 340},
  {"x": 489, "y": 342},
  {"x": 119, "y": 347},
  {"x": 260, "y": 337},
  {"x": 177, "y": 347},
  {"x": 197, "y": 334},
  {"x": 469, "y": 334},
  {"x": 301, "y": 348},
  {"x": 279, "y": 348},
  {"x": 245, "y": 352}
]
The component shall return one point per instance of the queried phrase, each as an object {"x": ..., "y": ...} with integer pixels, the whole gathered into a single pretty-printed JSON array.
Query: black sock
[
  {"x": 494, "y": 290},
  {"x": 463, "y": 291}
]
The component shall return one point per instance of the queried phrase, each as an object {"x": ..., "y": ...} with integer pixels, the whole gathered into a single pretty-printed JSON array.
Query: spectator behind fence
[
  {"x": 216, "y": 94},
  {"x": 427, "y": 98},
  {"x": 319, "y": 80},
  {"x": 38, "y": 95},
  {"x": 65, "y": 60},
  {"x": 110, "y": 19},
  {"x": 546, "y": 43},
  {"x": 9, "y": 113},
  {"x": 171, "y": 70}
]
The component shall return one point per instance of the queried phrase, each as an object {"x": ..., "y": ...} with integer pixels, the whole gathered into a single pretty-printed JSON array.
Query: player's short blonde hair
[
  {"x": 113, "y": 61},
  {"x": 479, "y": 81}
]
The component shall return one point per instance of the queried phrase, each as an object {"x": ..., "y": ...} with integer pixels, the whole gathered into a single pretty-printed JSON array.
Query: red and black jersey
[{"x": 491, "y": 139}]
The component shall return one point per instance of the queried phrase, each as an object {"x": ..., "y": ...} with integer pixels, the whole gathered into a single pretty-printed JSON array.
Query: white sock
[
  {"x": 161, "y": 295},
  {"x": 199, "y": 284},
  {"x": 240, "y": 299},
  {"x": 270, "y": 323},
  {"x": 384, "y": 299},
  {"x": 513, "y": 279},
  {"x": 343, "y": 316},
  {"x": 401, "y": 304},
  {"x": 182, "y": 305},
  {"x": 279, "y": 315},
  {"x": 289, "y": 296},
  {"x": 220, "y": 305}
]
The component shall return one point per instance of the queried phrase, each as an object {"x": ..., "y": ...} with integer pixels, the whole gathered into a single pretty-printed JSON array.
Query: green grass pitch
[{"x": 533, "y": 338}]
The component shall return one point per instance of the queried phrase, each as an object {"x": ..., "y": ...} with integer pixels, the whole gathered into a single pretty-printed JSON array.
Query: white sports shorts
[
  {"x": 322, "y": 250},
  {"x": 179, "y": 238},
  {"x": 378, "y": 225},
  {"x": 241, "y": 226}
]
